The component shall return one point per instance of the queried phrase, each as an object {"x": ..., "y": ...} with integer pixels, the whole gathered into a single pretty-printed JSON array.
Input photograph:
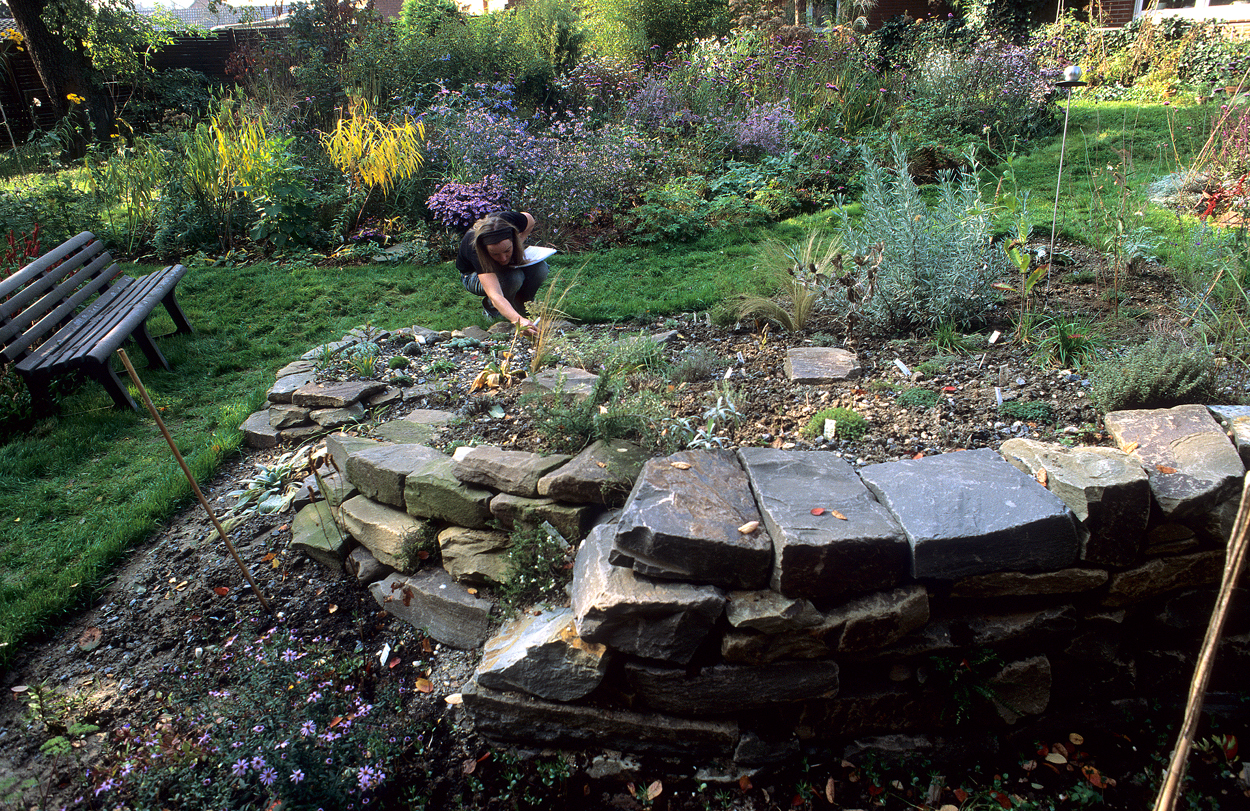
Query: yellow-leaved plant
[{"x": 372, "y": 153}]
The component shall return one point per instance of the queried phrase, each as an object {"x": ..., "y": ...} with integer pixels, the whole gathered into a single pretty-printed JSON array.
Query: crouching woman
[{"x": 492, "y": 265}]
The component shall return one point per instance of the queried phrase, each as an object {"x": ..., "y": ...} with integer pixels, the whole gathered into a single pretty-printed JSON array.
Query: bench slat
[
  {"x": 55, "y": 307},
  {"x": 19, "y": 306},
  {"x": 41, "y": 265}
]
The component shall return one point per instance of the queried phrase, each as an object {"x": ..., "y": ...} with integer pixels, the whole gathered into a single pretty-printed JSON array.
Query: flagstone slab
[
  {"x": 335, "y": 394},
  {"x": 433, "y": 603},
  {"x": 1105, "y": 488},
  {"x": 971, "y": 512},
  {"x": 562, "y": 380},
  {"x": 393, "y": 536},
  {"x": 515, "y": 472},
  {"x": 338, "y": 417},
  {"x": 572, "y": 521},
  {"x": 1236, "y": 420},
  {"x": 418, "y": 427},
  {"x": 257, "y": 432},
  {"x": 823, "y": 557},
  {"x": 431, "y": 490},
  {"x": 380, "y": 472},
  {"x": 1161, "y": 575},
  {"x": 284, "y": 415},
  {"x": 682, "y": 522},
  {"x": 1191, "y": 464},
  {"x": 821, "y": 364},
  {"x": 475, "y": 555},
  {"x": 542, "y": 655},
  {"x": 603, "y": 473},
  {"x": 314, "y": 533},
  {"x": 288, "y": 384},
  {"x": 657, "y": 619}
]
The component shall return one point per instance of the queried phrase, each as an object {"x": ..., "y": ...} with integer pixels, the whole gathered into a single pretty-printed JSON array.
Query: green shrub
[
  {"x": 1159, "y": 374},
  {"x": 918, "y": 398},
  {"x": 1028, "y": 411},
  {"x": 537, "y": 570},
  {"x": 851, "y": 424},
  {"x": 934, "y": 366},
  {"x": 676, "y": 211},
  {"x": 937, "y": 264}
]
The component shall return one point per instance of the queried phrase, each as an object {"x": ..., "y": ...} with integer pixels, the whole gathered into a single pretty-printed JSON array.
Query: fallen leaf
[
  {"x": 1165, "y": 469},
  {"x": 949, "y": 388},
  {"x": 425, "y": 685},
  {"x": 1029, "y": 765},
  {"x": 1061, "y": 749},
  {"x": 426, "y": 647},
  {"x": 829, "y": 790},
  {"x": 960, "y": 794},
  {"x": 1055, "y": 757},
  {"x": 838, "y": 515},
  {"x": 1130, "y": 447},
  {"x": 395, "y": 660},
  {"x": 818, "y": 510},
  {"x": 338, "y": 719},
  {"x": 1093, "y": 776},
  {"x": 423, "y": 555},
  {"x": 221, "y": 591},
  {"x": 471, "y": 591},
  {"x": 680, "y": 465},
  {"x": 408, "y": 595},
  {"x": 749, "y": 527},
  {"x": 333, "y": 608},
  {"x": 1076, "y": 739},
  {"x": 468, "y": 767},
  {"x": 276, "y": 563},
  {"x": 454, "y": 699},
  {"x": 1041, "y": 476},
  {"x": 655, "y": 790},
  {"x": 601, "y": 464},
  {"x": 182, "y": 585},
  {"x": 918, "y": 456},
  {"x": 90, "y": 639},
  {"x": 268, "y": 557}
]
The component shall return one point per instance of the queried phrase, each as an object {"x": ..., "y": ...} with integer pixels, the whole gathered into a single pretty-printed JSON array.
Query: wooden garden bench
[{"x": 70, "y": 309}]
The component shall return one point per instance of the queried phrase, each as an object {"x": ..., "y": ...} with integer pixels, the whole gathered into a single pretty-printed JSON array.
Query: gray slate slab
[
  {"x": 287, "y": 385},
  {"x": 820, "y": 364},
  {"x": 768, "y": 612},
  {"x": 603, "y": 473},
  {"x": 437, "y": 605},
  {"x": 542, "y": 655},
  {"x": 507, "y": 717},
  {"x": 515, "y": 472},
  {"x": 379, "y": 472},
  {"x": 873, "y": 622},
  {"x": 342, "y": 445},
  {"x": 431, "y": 490},
  {"x": 572, "y": 520},
  {"x": 970, "y": 512},
  {"x": 562, "y": 379},
  {"x": 1019, "y": 584},
  {"x": 1161, "y": 575},
  {"x": 391, "y": 535},
  {"x": 1106, "y": 489},
  {"x": 1236, "y": 421},
  {"x": 418, "y": 427},
  {"x": 1190, "y": 461},
  {"x": 338, "y": 417},
  {"x": 335, "y": 394},
  {"x": 682, "y": 519},
  {"x": 257, "y": 432},
  {"x": 475, "y": 555},
  {"x": 284, "y": 415},
  {"x": 824, "y": 558},
  {"x": 724, "y": 688},
  {"x": 656, "y": 619},
  {"x": 314, "y": 533}
]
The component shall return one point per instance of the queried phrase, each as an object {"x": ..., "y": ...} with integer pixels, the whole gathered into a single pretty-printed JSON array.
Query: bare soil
[{"x": 181, "y": 593}]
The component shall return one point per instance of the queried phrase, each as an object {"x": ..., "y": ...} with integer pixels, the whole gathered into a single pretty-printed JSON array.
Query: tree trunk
[{"x": 62, "y": 70}]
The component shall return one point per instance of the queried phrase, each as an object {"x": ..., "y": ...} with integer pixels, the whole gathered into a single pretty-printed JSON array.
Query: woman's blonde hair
[{"x": 491, "y": 230}]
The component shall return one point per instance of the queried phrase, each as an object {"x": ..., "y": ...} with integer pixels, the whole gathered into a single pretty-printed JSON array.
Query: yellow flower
[{"x": 74, "y": 98}]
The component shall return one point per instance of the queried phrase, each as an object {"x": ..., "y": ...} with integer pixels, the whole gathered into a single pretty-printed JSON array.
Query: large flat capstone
[
  {"x": 1105, "y": 488},
  {"x": 1190, "y": 461},
  {"x": 603, "y": 473},
  {"x": 633, "y": 614},
  {"x": 682, "y": 522},
  {"x": 431, "y": 490},
  {"x": 335, "y": 394},
  {"x": 379, "y": 472},
  {"x": 391, "y": 535},
  {"x": 515, "y": 472},
  {"x": 822, "y": 557},
  {"x": 970, "y": 512},
  {"x": 542, "y": 655},
  {"x": 432, "y": 602}
]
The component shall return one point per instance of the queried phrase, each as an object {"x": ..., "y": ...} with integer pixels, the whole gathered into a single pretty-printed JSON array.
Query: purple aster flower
[
  {"x": 239, "y": 768},
  {"x": 268, "y": 776},
  {"x": 297, "y": 776}
]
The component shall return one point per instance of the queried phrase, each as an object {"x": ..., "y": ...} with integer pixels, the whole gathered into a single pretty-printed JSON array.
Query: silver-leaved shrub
[{"x": 937, "y": 262}]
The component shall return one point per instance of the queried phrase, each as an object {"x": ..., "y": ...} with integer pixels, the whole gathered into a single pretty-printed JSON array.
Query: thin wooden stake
[
  {"x": 1198, "y": 687},
  {"x": 195, "y": 487}
]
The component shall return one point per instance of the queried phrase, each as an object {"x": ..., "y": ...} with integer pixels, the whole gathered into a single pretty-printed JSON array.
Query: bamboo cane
[
  {"x": 195, "y": 487},
  {"x": 1166, "y": 800}
]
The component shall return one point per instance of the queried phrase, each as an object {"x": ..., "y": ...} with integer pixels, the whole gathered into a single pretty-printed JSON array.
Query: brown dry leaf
[
  {"x": 90, "y": 639},
  {"x": 838, "y": 515},
  {"x": 276, "y": 563},
  {"x": 744, "y": 783},
  {"x": 818, "y": 510},
  {"x": 1029, "y": 765},
  {"x": 829, "y": 790},
  {"x": 408, "y": 595},
  {"x": 471, "y": 591},
  {"x": 468, "y": 767},
  {"x": 1076, "y": 739},
  {"x": 680, "y": 465},
  {"x": 1093, "y": 776},
  {"x": 1056, "y": 758},
  {"x": 749, "y": 527},
  {"x": 602, "y": 464},
  {"x": 1165, "y": 469},
  {"x": 333, "y": 607},
  {"x": 426, "y": 647},
  {"x": 221, "y": 591},
  {"x": 425, "y": 685},
  {"x": 655, "y": 790},
  {"x": 395, "y": 660},
  {"x": 268, "y": 557},
  {"x": 454, "y": 699},
  {"x": 1130, "y": 447},
  {"x": 1041, "y": 476},
  {"x": 1060, "y": 748},
  {"x": 919, "y": 455},
  {"x": 182, "y": 585}
]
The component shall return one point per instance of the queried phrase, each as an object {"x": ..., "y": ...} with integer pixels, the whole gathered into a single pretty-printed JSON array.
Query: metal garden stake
[{"x": 1071, "y": 79}]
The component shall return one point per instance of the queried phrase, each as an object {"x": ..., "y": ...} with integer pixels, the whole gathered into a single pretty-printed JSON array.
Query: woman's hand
[{"x": 526, "y": 326}]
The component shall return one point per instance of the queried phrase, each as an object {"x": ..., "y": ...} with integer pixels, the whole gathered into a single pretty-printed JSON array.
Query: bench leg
[
  {"x": 41, "y": 401},
  {"x": 113, "y": 385},
  {"x": 144, "y": 339},
  {"x": 175, "y": 312}
]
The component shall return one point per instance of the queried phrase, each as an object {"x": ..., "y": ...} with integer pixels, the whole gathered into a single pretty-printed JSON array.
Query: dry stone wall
[{"x": 728, "y": 605}]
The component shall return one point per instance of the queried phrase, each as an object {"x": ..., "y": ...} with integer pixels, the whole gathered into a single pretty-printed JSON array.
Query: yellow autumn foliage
[{"x": 375, "y": 154}]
